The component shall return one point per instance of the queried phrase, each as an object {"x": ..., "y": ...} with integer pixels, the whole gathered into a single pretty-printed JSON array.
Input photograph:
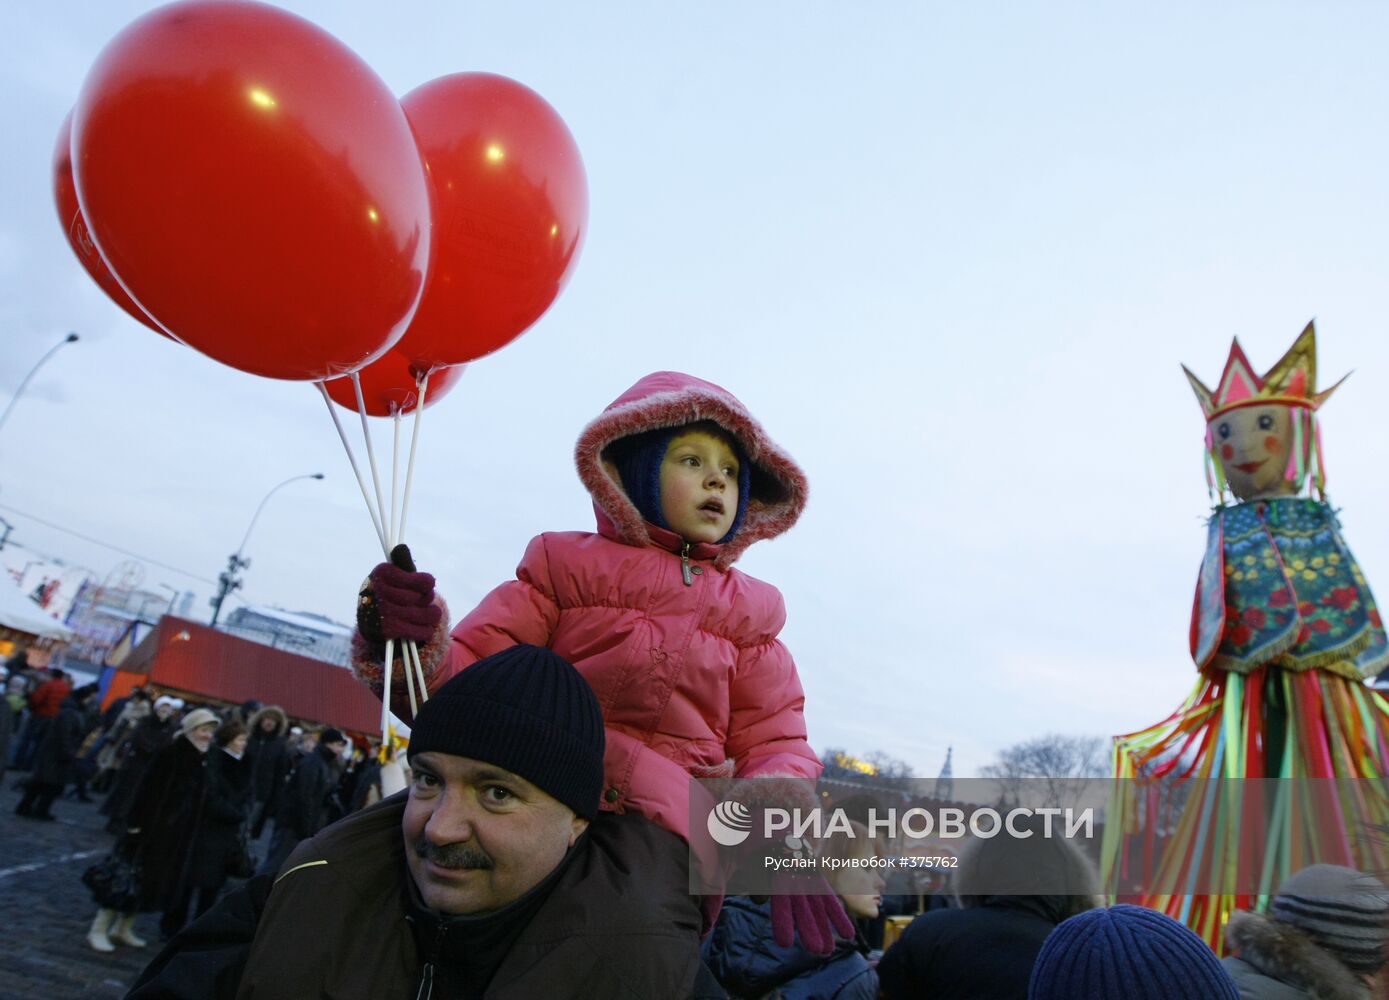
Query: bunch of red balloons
[{"x": 237, "y": 179}]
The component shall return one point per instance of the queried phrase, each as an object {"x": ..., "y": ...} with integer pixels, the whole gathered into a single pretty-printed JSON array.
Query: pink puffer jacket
[{"x": 691, "y": 675}]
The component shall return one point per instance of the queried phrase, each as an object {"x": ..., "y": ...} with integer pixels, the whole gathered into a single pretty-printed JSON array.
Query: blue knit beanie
[
  {"x": 638, "y": 460},
  {"x": 1127, "y": 953}
]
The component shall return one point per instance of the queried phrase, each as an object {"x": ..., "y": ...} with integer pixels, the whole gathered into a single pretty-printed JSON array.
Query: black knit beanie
[
  {"x": 525, "y": 709},
  {"x": 638, "y": 460}
]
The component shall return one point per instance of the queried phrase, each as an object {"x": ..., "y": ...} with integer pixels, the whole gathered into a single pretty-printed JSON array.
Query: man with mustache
[{"x": 493, "y": 876}]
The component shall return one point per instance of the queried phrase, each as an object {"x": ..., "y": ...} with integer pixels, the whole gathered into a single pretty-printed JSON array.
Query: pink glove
[
  {"x": 815, "y": 918},
  {"x": 396, "y": 602}
]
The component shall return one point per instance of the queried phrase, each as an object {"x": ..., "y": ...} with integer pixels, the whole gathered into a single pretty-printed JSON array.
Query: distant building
[
  {"x": 299, "y": 632},
  {"x": 102, "y": 614}
]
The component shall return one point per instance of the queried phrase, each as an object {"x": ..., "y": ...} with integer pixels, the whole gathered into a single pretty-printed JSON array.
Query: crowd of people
[{"x": 188, "y": 790}]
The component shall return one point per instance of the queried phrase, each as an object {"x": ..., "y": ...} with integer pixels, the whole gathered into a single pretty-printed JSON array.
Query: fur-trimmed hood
[
  {"x": 1280, "y": 952},
  {"x": 269, "y": 711},
  {"x": 672, "y": 399}
]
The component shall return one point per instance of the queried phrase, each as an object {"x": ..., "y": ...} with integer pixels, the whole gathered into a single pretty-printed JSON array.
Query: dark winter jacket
[
  {"x": 304, "y": 805},
  {"x": 9, "y": 722},
  {"x": 1274, "y": 961},
  {"x": 334, "y": 925},
  {"x": 54, "y": 762},
  {"x": 267, "y": 754},
  {"x": 965, "y": 954},
  {"x": 149, "y": 736},
  {"x": 743, "y": 957},
  {"x": 167, "y": 812},
  {"x": 225, "y": 814}
]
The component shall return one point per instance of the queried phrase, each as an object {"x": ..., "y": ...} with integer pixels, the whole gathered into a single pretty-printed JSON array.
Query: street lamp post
[
  {"x": 228, "y": 580},
  {"x": 32, "y": 371}
]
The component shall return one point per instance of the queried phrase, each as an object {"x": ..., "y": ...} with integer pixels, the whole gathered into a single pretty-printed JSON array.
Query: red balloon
[
  {"x": 510, "y": 213},
  {"x": 75, "y": 228},
  {"x": 254, "y": 186},
  {"x": 388, "y": 385}
]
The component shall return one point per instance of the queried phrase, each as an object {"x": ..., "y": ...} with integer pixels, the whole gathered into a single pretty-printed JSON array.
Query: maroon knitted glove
[
  {"x": 802, "y": 901},
  {"x": 815, "y": 918},
  {"x": 396, "y": 602}
]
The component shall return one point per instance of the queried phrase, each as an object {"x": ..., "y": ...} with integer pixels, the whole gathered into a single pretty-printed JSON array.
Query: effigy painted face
[{"x": 1253, "y": 443}]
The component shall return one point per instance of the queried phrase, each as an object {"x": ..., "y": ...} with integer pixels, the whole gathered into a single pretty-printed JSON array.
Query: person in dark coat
[
  {"x": 987, "y": 947},
  {"x": 84, "y": 767},
  {"x": 746, "y": 961},
  {"x": 165, "y": 819},
  {"x": 149, "y": 736},
  {"x": 45, "y": 702},
  {"x": 305, "y": 804},
  {"x": 226, "y": 812},
  {"x": 267, "y": 756},
  {"x": 743, "y": 956},
  {"x": 11, "y": 712},
  {"x": 494, "y": 876},
  {"x": 56, "y": 758}
]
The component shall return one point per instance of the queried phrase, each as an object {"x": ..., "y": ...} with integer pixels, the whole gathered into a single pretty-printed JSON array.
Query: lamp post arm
[
  {"x": 266, "y": 499},
  {"x": 32, "y": 372}
]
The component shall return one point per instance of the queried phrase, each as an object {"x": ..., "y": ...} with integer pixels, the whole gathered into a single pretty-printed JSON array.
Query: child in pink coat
[{"x": 680, "y": 647}]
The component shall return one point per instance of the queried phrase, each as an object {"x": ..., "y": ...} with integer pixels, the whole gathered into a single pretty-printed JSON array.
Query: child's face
[
  {"x": 699, "y": 486},
  {"x": 1253, "y": 444}
]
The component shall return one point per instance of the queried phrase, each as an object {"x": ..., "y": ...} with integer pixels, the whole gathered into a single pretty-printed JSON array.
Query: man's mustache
[{"x": 453, "y": 855}]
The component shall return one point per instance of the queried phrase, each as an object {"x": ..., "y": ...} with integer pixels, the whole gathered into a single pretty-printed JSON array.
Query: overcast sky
[{"x": 950, "y": 255}]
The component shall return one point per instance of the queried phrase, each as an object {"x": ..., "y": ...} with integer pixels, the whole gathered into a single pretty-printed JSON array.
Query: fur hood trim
[
  {"x": 269, "y": 712},
  {"x": 672, "y": 399},
  {"x": 1282, "y": 952}
]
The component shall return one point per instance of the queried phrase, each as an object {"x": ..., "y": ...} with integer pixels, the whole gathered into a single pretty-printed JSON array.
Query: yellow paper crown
[{"x": 1291, "y": 381}]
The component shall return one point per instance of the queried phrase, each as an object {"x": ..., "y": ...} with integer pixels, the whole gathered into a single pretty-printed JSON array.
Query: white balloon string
[
  {"x": 352, "y": 460},
  {"x": 423, "y": 387},
  {"x": 410, "y": 677},
  {"x": 371, "y": 452},
  {"x": 395, "y": 534},
  {"x": 386, "y": 691},
  {"x": 414, "y": 652}
]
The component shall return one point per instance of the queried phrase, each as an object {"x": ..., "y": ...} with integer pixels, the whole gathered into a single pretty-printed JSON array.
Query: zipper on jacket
[
  {"x": 426, "y": 982},
  {"x": 685, "y": 566}
]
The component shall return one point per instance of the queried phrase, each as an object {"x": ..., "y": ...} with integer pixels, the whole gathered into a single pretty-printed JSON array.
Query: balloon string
[
  {"x": 386, "y": 691},
  {"x": 410, "y": 676},
  {"x": 412, "y": 651},
  {"x": 396, "y": 538},
  {"x": 352, "y": 460},
  {"x": 371, "y": 452},
  {"x": 414, "y": 442},
  {"x": 395, "y": 531}
]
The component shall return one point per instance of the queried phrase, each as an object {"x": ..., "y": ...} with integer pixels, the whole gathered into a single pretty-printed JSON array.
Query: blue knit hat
[
  {"x": 638, "y": 460},
  {"x": 1127, "y": 953}
]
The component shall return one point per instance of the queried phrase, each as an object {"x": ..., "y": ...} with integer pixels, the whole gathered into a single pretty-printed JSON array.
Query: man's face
[
  {"x": 267, "y": 724},
  {"x": 478, "y": 837},
  {"x": 337, "y": 747}
]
